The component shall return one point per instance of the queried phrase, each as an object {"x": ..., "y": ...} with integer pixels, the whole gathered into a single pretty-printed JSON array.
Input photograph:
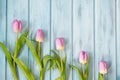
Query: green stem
[
  {"x": 15, "y": 53},
  {"x": 15, "y": 78},
  {"x": 103, "y": 77},
  {"x": 63, "y": 74},
  {"x": 39, "y": 49},
  {"x": 14, "y": 64},
  {"x": 83, "y": 69},
  {"x": 61, "y": 59},
  {"x": 15, "y": 75},
  {"x": 42, "y": 71}
]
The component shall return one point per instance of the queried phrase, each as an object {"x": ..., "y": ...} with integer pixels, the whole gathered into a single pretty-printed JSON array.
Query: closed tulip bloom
[
  {"x": 40, "y": 35},
  {"x": 83, "y": 57},
  {"x": 60, "y": 44},
  {"x": 17, "y": 26},
  {"x": 103, "y": 67}
]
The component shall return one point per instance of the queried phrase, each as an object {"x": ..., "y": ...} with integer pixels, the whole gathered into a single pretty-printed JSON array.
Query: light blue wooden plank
[
  {"x": 40, "y": 19},
  {"x": 105, "y": 36},
  {"x": 83, "y": 37},
  {"x": 61, "y": 26},
  {"x": 16, "y": 9},
  {"x": 2, "y": 37},
  {"x": 118, "y": 37}
]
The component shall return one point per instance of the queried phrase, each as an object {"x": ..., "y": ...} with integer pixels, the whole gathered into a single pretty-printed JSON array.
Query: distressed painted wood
[
  {"x": 105, "y": 45},
  {"x": 91, "y": 25},
  {"x": 40, "y": 19},
  {"x": 61, "y": 26},
  {"x": 2, "y": 37},
  {"x": 16, "y": 9},
  {"x": 83, "y": 33},
  {"x": 118, "y": 38}
]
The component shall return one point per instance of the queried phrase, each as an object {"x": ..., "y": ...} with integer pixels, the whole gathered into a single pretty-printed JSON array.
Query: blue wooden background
[{"x": 91, "y": 25}]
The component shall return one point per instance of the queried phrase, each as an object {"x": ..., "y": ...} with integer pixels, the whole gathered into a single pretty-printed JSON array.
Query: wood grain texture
[
  {"x": 83, "y": 37},
  {"x": 118, "y": 37},
  {"x": 61, "y": 26},
  {"x": 91, "y": 25},
  {"x": 16, "y": 9},
  {"x": 105, "y": 47},
  {"x": 40, "y": 19},
  {"x": 2, "y": 37}
]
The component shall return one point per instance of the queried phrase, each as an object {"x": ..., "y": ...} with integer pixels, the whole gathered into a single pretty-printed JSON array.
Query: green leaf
[
  {"x": 24, "y": 68},
  {"x": 79, "y": 72},
  {"x": 58, "y": 64},
  {"x": 9, "y": 58},
  {"x": 57, "y": 60},
  {"x": 45, "y": 60},
  {"x": 52, "y": 64},
  {"x": 20, "y": 43},
  {"x": 56, "y": 55},
  {"x": 62, "y": 68},
  {"x": 64, "y": 60},
  {"x": 32, "y": 48}
]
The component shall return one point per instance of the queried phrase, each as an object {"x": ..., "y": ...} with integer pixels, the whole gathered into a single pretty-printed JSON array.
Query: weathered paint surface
[{"x": 91, "y": 25}]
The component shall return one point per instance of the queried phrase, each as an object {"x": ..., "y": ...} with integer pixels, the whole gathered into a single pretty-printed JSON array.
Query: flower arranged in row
[{"x": 56, "y": 60}]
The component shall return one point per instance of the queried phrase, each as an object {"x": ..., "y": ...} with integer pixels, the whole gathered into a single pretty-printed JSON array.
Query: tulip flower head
[
  {"x": 83, "y": 57},
  {"x": 40, "y": 35},
  {"x": 17, "y": 26},
  {"x": 103, "y": 67},
  {"x": 60, "y": 44}
]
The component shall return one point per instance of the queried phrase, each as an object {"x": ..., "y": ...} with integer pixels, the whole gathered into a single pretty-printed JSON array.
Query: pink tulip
[
  {"x": 103, "y": 67},
  {"x": 17, "y": 26},
  {"x": 60, "y": 44},
  {"x": 40, "y": 35},
  {"x": 83, "y": 57}
]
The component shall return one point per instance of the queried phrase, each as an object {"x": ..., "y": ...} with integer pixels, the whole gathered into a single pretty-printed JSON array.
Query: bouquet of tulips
[
  {"x": 20, "y": 42},
  {"x": 56, "y": 60}
]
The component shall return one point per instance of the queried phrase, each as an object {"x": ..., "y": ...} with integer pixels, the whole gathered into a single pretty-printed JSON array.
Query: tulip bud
[
  {"x": 17, "y": 26},
  {"x": 40, "y": 35},
  {"x": 103, "y": 67},
  {"x": 83, "y": 57},
  {"x": 60, "y": 44}
]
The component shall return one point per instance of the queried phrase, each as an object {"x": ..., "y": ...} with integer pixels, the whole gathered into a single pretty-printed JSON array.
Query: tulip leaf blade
[
  {"x": 20, "y": 43},
  {"x": 32, "y": 48},
  {"x": 58, "y": 64},
  {"x": 24, "y": 69},
  {"x": 79, "y": 72},
  {"x": 61, "y": 67},
  {"x": 55, "y": 54},
  {"x": 9, "y": 58},
  {"x": 45, "y": 60},
  {"x": 64, "y": 59},
  {"x": 57, "y": 59},
  {"x": 52, "y": 64}
]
